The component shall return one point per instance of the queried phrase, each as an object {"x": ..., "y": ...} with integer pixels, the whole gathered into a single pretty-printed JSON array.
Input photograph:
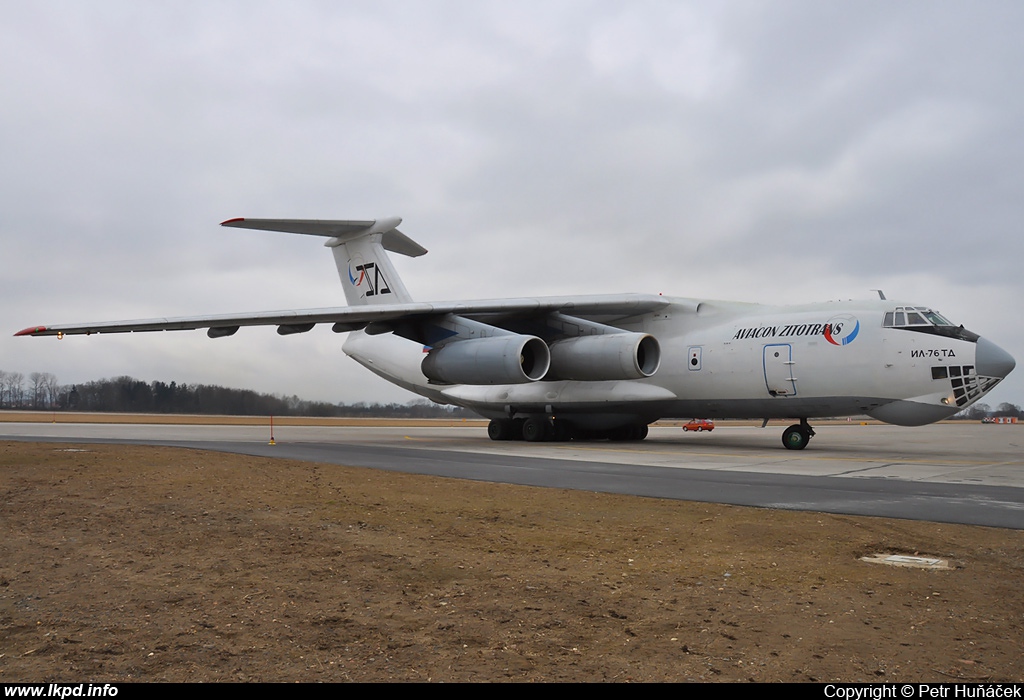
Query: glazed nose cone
[{"x": 990, "y": 360}]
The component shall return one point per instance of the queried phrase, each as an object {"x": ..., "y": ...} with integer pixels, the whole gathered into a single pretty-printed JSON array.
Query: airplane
[{"x": 606, "y": 366}]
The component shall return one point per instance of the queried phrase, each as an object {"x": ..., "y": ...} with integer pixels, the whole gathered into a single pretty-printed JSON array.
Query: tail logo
[{"x": 360, "y": 273}]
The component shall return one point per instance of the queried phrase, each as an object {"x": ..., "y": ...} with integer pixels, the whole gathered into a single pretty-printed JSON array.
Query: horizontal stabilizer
[{"x": 393, "y": 240}]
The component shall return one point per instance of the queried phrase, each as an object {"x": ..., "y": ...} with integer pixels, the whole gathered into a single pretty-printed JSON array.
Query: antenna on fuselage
[{"x": 881, "y": 294}]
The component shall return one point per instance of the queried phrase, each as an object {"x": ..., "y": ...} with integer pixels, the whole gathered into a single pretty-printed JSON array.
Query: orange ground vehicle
[{"x": 699, "y": 425}]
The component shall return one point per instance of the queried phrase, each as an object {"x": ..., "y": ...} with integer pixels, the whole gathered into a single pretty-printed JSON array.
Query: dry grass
[{"x": 139, "y": 563}]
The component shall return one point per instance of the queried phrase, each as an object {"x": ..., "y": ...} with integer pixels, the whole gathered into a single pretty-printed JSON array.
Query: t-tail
[{"x": 359, "y": 249}]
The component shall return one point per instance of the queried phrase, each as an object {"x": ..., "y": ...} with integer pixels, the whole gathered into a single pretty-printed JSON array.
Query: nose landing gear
[{"x": 797, "y": 436}]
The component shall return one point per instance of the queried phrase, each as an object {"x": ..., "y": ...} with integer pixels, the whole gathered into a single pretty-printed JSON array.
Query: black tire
[
  {"x": 500, "y": 429},
  {"x": 795, "y": 437},
  {"x": 535, "y": 429}
]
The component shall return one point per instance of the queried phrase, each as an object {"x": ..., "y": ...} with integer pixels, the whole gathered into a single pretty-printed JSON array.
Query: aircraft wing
[{"x": 347, "y": 318}]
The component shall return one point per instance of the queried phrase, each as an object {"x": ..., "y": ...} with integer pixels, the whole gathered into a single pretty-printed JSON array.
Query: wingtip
[
  {"x": 31, "y": 331},
  {"x": 232, "y": 221}
]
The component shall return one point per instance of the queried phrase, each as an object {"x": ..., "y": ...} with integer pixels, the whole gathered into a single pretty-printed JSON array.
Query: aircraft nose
[{"x": 990, "y": 360}]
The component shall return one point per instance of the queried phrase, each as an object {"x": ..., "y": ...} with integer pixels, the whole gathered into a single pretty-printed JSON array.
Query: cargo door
[{"x": 778, "y": 370}]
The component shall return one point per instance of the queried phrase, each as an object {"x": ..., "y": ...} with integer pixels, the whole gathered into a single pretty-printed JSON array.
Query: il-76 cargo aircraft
[{"x": 579, "y": 367}]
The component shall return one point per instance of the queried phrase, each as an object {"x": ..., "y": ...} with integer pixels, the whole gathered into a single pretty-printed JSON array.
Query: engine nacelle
[
  {"x": 501, "y": 359},
  {"x": 222, "y": 331},
  {"x": 605, "y": 357}
]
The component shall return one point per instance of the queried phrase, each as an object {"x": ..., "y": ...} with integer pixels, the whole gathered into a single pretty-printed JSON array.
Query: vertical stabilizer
[
  {"x": 359, "y": 249},
  {"x": 364, "y": 267}
]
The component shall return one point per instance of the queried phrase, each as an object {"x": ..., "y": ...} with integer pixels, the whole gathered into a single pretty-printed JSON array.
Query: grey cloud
[{"x": 778, "y": 151}]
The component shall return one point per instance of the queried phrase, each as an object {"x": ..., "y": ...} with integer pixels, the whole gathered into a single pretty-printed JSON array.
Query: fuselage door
[{"x": 778, "y": 370}]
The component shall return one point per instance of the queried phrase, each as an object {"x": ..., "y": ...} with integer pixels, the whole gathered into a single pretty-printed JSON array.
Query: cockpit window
[
  {"x": 913, "y": 316},
  {"x": 924, "y": 320},
  {"x": 936, "y": 319}
]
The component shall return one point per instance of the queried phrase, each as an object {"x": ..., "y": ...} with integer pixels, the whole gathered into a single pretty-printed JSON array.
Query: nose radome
[{"x": 990, "y": 360}]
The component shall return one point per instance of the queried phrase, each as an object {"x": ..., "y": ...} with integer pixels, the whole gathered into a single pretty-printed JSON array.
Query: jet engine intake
[
  {"x": 605, "y": 357},
  {"x": 501, "y": 359}
]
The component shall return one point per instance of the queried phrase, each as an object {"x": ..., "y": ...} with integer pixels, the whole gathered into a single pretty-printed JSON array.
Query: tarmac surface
[{"x": 954, "y": 472}]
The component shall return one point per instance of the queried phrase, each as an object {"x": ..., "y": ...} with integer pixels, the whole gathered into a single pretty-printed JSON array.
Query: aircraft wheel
[
  {"x": 795, "y": 437},
  {"x": 535, "y": 429},
  {"x": 500, "y": 429}
]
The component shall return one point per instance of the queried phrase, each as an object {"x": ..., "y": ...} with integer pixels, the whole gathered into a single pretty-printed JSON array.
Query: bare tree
[
  {"x": 51, "y": 390},
  {"x": 36, "y": 378},
  {"x": 975, "y": 412},
  {"x": 13, "y": 386},
  {"x": 1007, "y": 409}
]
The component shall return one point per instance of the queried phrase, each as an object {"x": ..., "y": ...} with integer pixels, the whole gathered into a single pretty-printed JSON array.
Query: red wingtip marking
[
  {"x": 31, "y": 331},
  {"x": 231, "y": 221}
]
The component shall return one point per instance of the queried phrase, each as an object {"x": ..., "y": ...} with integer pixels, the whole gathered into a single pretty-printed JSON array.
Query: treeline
[
  {"x": 42, "y": 392},
  {"x": 983, "y": 410}
]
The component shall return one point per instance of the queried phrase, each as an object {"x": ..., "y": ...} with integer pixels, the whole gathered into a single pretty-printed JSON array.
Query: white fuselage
[{"x": 736, "y": 360}]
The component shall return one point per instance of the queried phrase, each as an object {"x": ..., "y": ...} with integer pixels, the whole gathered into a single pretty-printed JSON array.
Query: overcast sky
[{"x": 776, "y": 151}]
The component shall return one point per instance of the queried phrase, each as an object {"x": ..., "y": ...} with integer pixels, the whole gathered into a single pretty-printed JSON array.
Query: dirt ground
[{"x": 123, "y": 563}]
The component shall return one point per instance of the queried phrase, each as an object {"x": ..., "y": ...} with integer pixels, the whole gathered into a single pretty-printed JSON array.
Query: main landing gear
[
  {"x": 797, "y": 436},
  {"x": 537, "y": 429}
]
